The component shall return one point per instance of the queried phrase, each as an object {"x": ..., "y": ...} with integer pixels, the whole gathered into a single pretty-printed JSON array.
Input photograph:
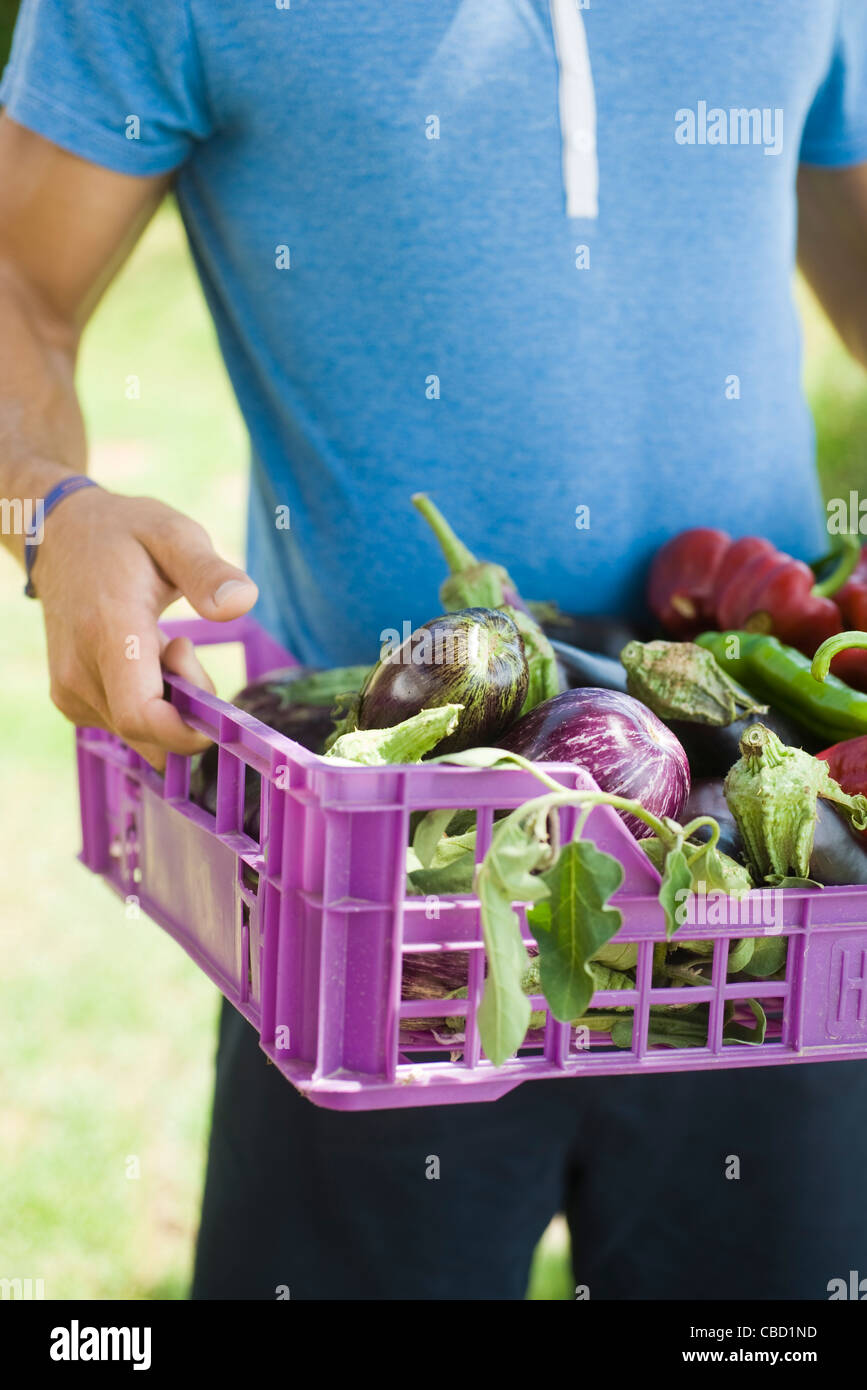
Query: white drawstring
[{"x": 577, "y": 110}]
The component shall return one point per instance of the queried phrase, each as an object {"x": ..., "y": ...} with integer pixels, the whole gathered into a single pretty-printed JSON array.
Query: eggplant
[
  {"x": 599, "y": 633},
  {"x": 308, "y": 725},
  {"x": 712, "y": 749},
  {"x": 479, "y": 584},
  {"x": 707, "y": 798},
  {"x": 623, "y": 745},
  {"x": 706, "y": 709},
  {"x": 297, "y": 702},
  {"x": 274, "y": 696},
  {"x": 474, "y": 658},
  {"x": 839, "y": 853},
  {"x": 433, "y": 975},
  {"x": 586, "y": 668}
]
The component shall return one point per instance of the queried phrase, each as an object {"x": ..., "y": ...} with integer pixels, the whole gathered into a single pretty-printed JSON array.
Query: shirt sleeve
[
  {"x": 120, "y": 85},
  {"x": 835, "y": 132}
]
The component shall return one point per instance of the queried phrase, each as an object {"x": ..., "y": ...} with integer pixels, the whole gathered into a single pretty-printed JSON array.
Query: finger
[
  {"x": 132, "y": 678},
  {"x": 179, "y": 657},
  {"x": 84, "y": 716},
  {"x": 183, "y": 551},
  {"x": 151, "y": 754}
]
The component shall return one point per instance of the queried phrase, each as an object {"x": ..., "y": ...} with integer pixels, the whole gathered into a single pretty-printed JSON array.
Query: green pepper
[{"x": 782, "y": 676}]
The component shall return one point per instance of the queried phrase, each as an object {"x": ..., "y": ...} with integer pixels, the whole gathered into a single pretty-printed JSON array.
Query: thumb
[{"x": 216, "y": 589}]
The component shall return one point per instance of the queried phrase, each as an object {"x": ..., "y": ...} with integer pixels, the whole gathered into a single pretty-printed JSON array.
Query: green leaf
[
  {"x": 406, "y": 742},
  {"x": 741, "y": 1033},
  {"x": 655, "y": 851},
  {"x": 345, "y": 716},
  {"x": 676, "y": 882},
  {"x": 740, "y": 954},
  {"x": 718, "y": 871},
  {"x": 452, "y": 847},
  {"x": 319, "y": 687},
  {"x": 698, "y": 948},
  {"x": 690, "y": 974},
  {"x": 455, "y": 877},
  {"x": 619, "y": 955},
  {"x": 621, "y": 1032},
  {"x": 601, "y": 1023},
  {"x": 665, "y": 1030},
  {"x": 605, "y": 978},
  {"x": 674, "y": 1030},
  {"x": 573, "y": 923},
  {"x": 506, "y": 876},
  {"x": 461, "y": 822},
  {"x": 504, "y": 1013},
  {"x": 769, "y": 956},
  {"x": 427, "y": 835}
]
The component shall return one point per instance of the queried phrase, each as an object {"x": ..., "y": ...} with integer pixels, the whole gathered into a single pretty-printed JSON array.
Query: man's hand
[
  {"x": 832, "y": 247},
  {"x": 107, "y": 565},
  {"x": 106, "y": 569}
]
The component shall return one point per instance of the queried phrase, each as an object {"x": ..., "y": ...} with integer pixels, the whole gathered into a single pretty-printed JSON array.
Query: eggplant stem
[
  {"x": 758, "y": 741},
  {"x": 689, "y": 831},
  {"x": 831, "y": 647},
  {"x": 590, "y": 799},
  {"x": 457, "y": 556},
  {"x": 683, "y": 972},
  {"x": 847, "y": 560},
  {"x": 585, "y": 799}
]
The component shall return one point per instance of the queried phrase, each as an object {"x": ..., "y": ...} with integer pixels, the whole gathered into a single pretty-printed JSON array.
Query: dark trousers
[{"x": 327, "y": 1205}]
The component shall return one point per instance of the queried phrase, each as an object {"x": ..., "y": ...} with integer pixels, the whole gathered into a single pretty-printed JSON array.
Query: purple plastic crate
[{"x": 305, "y": 932}]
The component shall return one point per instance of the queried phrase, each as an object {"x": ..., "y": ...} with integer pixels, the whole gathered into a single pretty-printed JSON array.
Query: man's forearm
[
  {"x": 832, "y": 247},
  {"x": 42, "y": 435}
]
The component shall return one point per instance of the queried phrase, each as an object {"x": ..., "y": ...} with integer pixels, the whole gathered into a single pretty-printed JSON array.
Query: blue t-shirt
[{"x": 374, "y": 194}]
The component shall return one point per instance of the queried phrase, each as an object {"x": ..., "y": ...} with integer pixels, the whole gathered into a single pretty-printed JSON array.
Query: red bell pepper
[
  {"x": 737, "y": 557},
  {"x": 765, "y": 590},
  {"x": 703, "y": 579},
  {"x": 847, "y": 763},
  {"x": 683, "y": 579},
  {"x": 852, "y": 598}
]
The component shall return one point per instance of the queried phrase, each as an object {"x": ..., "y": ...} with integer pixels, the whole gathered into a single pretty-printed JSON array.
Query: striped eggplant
[
  {"x": 474, "y": 658},
  {"x": 626, "y": 749}
]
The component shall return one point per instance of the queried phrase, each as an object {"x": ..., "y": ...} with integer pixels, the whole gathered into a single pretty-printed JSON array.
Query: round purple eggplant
[
  {"x": 473, "y": 658},
  {"x": 626, "y": 749}
]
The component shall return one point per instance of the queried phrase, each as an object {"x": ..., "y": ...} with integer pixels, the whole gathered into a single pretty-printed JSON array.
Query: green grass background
[{"x": 107, "y": 1032}]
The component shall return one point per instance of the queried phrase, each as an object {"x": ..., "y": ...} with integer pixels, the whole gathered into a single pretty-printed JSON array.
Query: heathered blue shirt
[{"x": 374, "y": 194}]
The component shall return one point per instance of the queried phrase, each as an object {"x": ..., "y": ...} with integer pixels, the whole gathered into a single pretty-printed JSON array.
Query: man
[{"x": 537, "y": 259}]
